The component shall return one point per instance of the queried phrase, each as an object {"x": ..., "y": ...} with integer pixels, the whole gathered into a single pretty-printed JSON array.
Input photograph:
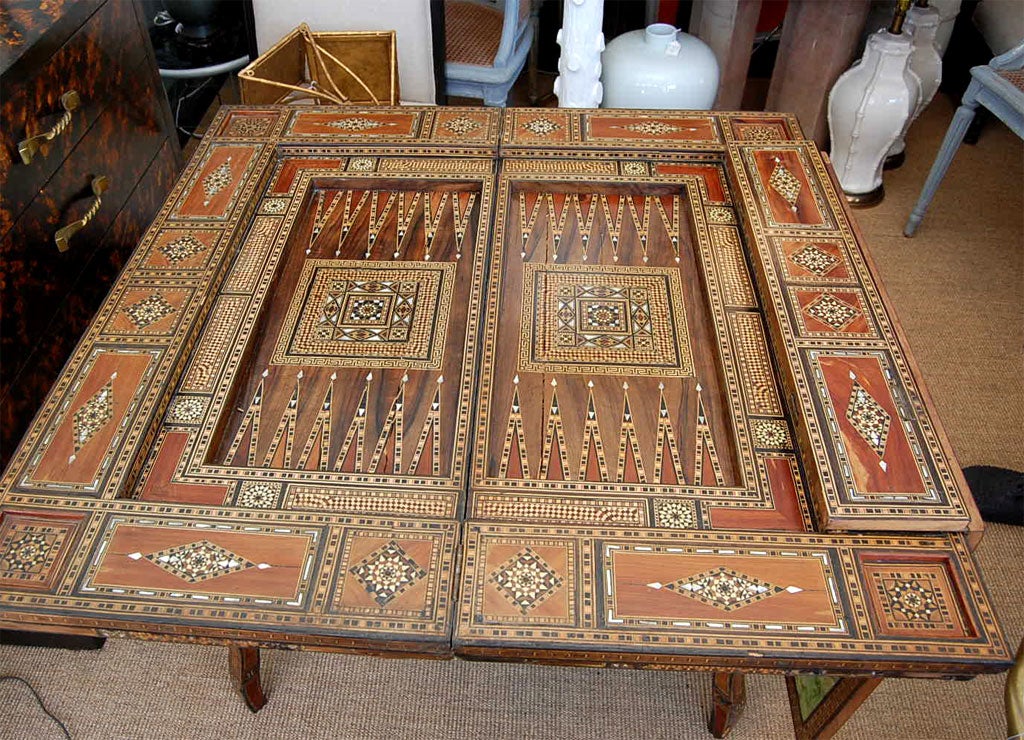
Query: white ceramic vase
[
  {"x": 868, "y": 109},
  {"x": 659, "y": 67},
  {"x": 922, "y": 24}
]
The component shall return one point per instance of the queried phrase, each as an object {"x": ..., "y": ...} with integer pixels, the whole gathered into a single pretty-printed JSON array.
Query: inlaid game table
[{"x": 603, "y": 388}]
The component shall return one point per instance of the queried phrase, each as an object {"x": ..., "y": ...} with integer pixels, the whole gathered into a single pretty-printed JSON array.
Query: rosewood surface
[{"x": 579, "y": 387}]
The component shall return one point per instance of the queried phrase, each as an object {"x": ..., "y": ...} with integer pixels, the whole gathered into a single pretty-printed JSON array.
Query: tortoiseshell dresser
[
  {"x": 88, "y": 152},
  {"x": 577, "y": 387}
]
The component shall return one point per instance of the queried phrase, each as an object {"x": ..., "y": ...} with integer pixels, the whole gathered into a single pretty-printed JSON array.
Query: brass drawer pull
[
  {"x": 30, "y": 147},
  {"x": 63, "y": 236}
]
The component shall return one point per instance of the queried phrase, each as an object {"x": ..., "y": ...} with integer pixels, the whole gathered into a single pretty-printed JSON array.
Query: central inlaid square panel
[
  {"x": 604, "y": 319},
  {"x": 348, "y": 313}
]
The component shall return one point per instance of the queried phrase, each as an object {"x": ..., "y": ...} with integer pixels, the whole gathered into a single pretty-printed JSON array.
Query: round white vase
[
  {"x": 868, "y": 108},
  {"x": 659, "y": 67},
  {"x": 922, "y": 24}
]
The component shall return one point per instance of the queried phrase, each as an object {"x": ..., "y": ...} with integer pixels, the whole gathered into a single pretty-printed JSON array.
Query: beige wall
[{"x": 410, "y": 19}]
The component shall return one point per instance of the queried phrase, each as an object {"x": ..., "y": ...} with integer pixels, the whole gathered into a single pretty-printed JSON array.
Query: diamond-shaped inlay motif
[
  {"x": 867, "y": 416},
  {"x": 541, "y": 126},
  {"x": 461, "y": 126},
  {"x": 724, "y": 588},
  {"x": 913, "y": 599},
  {"x": 199, "y": 561},
  {"x": 652, "y": 128},
  {"x": 357, "y": 124},
  {"x": 814, "y": 259},
  {"x": 218, "y": 179},
  {"x": 149, "y": 310},
  {"x": 93, "y": 415},
  {"x": 387, "y": 572},
  {"x": 829, "y": 310},
  {"x": 180, "y": 249},
  {"x": 526, "y": 580},
  {"x": 785, "y": 183}
]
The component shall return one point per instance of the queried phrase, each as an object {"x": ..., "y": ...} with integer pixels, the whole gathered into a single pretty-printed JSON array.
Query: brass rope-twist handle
[
  {"x": 30, "y": 147},
  {"x": 63, "y": 236}
]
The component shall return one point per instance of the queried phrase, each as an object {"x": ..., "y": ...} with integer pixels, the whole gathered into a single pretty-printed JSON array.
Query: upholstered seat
[
  {"x": 486, "y": 45},
  {"x": 999, "y": 86}
]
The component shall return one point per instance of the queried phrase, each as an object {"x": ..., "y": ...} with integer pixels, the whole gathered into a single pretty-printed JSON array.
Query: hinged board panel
[{"x": 772, "y": 602}]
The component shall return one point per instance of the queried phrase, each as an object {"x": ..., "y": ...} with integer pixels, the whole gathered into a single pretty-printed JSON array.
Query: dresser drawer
[
  {"x": 37, "y": 278},
  {"x": 95, "y": 63}
]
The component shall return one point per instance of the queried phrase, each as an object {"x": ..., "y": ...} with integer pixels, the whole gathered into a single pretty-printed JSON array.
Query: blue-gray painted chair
[
  {"x": 999, "y": 86},
  {"x": 486, "y": 45}
]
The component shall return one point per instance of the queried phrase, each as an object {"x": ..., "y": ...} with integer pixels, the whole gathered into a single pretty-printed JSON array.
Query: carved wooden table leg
[
  {"x": 244, "y": 663},
  {"x": 728, "y": 694}
]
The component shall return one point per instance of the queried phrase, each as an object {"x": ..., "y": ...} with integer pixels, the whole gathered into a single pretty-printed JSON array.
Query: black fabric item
[{"x": 998, "y": 492}]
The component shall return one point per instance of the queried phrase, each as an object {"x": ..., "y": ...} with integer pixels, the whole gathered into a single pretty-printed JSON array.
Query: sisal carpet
[{"x": 957, "y": 287}]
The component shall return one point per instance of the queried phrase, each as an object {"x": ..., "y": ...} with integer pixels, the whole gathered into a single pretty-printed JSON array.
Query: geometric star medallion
[
  {"x": 724, "y": 588},
  {"x": 387, "y": 572},
  {"x": 27, "y": 554},
  {"x": 913, "y": 599},
  {"x": 526, "y": 579}
]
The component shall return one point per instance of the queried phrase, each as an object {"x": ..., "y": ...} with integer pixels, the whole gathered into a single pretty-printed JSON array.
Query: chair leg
[
  {"x": 954, "y": 135},
  {"x": 496, "y": 96}
]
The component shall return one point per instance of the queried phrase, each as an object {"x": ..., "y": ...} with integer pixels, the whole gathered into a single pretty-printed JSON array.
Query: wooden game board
[{"x": 582, "y": 387}]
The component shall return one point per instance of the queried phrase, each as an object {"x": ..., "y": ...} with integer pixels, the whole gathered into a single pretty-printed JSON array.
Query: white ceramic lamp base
[
  {"x": 922, "y": 24},
  {"x": 868, "y": 109}
]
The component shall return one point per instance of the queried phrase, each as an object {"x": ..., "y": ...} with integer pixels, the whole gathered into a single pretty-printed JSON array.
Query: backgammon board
[{"x": 582, "y": 387}]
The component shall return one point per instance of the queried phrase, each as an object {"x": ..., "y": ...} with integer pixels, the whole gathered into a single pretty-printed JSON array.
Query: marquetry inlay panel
[
  {"x": 592, "y": 319},
  {"x": 544, "y": 384},
  {"x": 367, "y": 314}
]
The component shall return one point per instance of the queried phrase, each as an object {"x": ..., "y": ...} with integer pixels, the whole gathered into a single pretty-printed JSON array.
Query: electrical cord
[{"x": 39, "y": 700}]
